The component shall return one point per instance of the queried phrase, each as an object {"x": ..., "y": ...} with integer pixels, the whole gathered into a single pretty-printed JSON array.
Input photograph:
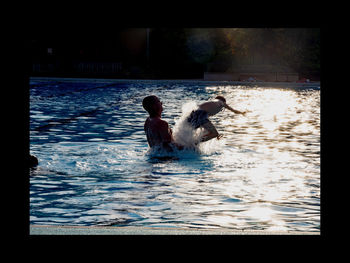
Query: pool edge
[
  {"x": 102, "y": 230},
  {"x": 230, "y": 82}
]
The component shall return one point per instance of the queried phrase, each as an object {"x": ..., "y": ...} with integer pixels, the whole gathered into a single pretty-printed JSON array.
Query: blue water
[{"x": 95, "y": 167}]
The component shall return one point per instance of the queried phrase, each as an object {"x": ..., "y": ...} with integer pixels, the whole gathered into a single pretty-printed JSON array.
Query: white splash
[
  {"x": 189, "y": 137},
  {"x": 183, "y": 131}
]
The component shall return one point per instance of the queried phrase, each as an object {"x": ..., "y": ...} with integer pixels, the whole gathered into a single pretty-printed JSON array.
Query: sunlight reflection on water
[{"x": 94, "y": 168}]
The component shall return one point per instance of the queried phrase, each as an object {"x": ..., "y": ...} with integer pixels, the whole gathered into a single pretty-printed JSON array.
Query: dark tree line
[
  {"x": 188, "y": 52},
  {"x": 295, "y": 48}
]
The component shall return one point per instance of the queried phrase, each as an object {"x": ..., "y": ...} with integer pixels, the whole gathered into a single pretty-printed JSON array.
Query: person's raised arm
[{"x": 233, "y": 110}]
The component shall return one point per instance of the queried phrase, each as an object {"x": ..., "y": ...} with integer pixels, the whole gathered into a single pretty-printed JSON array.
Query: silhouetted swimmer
[
  {"x": 157, "y": 130},
  {"x": 199, "y": 118}
]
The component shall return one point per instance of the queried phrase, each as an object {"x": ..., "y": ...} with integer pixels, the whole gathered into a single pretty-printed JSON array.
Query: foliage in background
[{"x": 189, "y": 51}]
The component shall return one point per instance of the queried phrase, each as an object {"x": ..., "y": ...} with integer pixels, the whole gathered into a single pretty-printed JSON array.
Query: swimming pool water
[{"x": 95, "y": 169}]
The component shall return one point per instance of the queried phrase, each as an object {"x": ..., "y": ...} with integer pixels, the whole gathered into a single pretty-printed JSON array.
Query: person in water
[
  {"x": 158, "y": 132},
  {"x": 199, "y": 118}
]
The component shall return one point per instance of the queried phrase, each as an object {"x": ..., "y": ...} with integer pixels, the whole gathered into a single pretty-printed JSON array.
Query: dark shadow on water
[
  {"x": 162, "y": 159},
  {"x": 160, "y": 155},
  {"x": 190, "y": 162}
]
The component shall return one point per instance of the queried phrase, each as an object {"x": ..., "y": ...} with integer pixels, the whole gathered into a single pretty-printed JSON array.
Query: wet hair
[
  {"x": 148, "y": 104},
  {"x": 221, "y": 98},
  {"x": 32, "y": 161}
]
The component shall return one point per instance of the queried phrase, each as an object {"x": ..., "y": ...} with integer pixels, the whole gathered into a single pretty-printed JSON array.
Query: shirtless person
[
  {"x": 199, "y": 117},
  {"x": 157, "y": 130}
]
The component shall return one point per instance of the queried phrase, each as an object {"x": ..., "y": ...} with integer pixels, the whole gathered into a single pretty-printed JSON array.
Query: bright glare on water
[{"x": 95, "y": 167}]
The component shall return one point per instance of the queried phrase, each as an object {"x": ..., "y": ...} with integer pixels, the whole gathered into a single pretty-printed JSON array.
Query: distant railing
[
  {"x": 263, "y": 68},
  {"x": 93, "y": 67},
  {"x": 81, "y": 67},
  {"x": 42, "y": 67},
  {"x": 256, "y": 76}
]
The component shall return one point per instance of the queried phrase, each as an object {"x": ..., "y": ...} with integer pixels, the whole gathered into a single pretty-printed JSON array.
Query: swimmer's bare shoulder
[
  {"x": 157, "y": 130},
  {"x": 212, "y": 107},
  {"x": 155, "y": 123},
  {"x": 167, "y": 136},
  {"x": 164, "y": 130}
]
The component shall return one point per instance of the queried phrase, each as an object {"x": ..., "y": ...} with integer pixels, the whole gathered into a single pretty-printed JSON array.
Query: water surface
[{"x": 94, "y": 167}]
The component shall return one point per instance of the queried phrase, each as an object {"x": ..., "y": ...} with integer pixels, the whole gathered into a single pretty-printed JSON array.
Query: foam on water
[
  {"x": 189, "y": 137},
  {"x": 183, "y": 132}
]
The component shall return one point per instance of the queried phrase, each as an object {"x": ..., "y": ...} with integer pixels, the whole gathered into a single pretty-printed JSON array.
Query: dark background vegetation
[{"x": 161, "y": 53}]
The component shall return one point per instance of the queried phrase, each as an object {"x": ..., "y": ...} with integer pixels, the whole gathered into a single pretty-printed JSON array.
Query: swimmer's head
[
  {"x": 221, "y": 98},
  {"x": 152, "y": 105}
]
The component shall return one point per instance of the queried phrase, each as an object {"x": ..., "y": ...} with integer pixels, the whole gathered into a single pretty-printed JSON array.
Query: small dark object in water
[
  {"x": 166, "y": 158},
  {"x": 32, "y": 161}
]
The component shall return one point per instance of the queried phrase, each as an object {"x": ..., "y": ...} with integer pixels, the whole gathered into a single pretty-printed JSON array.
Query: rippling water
[{"x": 94, "y": 167}]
